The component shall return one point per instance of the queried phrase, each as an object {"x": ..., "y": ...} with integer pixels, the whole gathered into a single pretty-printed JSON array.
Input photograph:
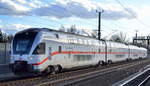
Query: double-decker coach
[{"x": 41, "y": 50}]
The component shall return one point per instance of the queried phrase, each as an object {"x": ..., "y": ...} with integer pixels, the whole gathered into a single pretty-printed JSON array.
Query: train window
[
  {"x": 99, "y": 50},
  {"x": 22, "y": 45},
  {"x": 40, "y": 49},
  {"x": 82, "y": 41},
  {"x": 56, "y": 35},
  {"x": 89, "y": 41},
  {"x": 59, "y": 49},
  {"x": 23, "y": 42},
  {"x": 71, "y": 40},
  {"x": 103, "y": 42},
  {"x": 74, "y": 40},
  {"x": 110, "y": 50},
  {"x": 82, "y": 57}
]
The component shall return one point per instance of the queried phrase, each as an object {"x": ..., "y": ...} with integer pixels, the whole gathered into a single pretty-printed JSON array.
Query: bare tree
[
  {"x": 120, "y": 37},
  {"x": 10, "y": 38},
  {"x": 1, "y": 36},
  {"x": 72, "y": 29},
  {"x": 4, "y": 38},
  {"x": 94, "y": 34},
  {"x": 62, "y": 28}
]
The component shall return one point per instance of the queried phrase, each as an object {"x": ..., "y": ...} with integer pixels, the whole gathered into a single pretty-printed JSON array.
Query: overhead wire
[{"x": 137, "y": 19}]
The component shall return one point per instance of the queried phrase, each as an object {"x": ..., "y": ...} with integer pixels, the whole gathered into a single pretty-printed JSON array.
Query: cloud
[
  {"x": 22, "y": 1},
  {"x": 8, "y": 7},
  {"x": 144, "y": 13},
  {"x": 13, "y": 28},
  {"x": 19, "y": 26},
  {"x": 35, "y": 3},
  {"x": 85, "y": 9},
  {"x": 0, "y": 21}
]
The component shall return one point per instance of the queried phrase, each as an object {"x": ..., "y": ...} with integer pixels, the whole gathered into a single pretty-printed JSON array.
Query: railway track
[
  {"x": 72, "y": 76},
  {"x": 139, "y": 79},
  {"x": 143, "y": 83}
]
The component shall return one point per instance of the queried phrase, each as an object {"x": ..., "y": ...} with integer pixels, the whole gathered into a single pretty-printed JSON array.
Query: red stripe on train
[
  {"x": 41, "y": 61},
  {"x": 77, "y": 52}
]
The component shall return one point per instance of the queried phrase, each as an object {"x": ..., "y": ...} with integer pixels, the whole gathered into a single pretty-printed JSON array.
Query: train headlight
[{"x": 12, "y": 58}]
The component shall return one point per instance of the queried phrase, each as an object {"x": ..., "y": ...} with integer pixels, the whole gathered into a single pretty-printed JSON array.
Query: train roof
[
  {"x": 136, "y": 47},
  {"x": 49, "y": 30}
]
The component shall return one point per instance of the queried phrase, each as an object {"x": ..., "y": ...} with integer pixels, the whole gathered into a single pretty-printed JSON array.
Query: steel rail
[
  {"x": 67, "y": 75},
  {"x": 144, "y": 81},
  {"x": 101, "y": 72}
]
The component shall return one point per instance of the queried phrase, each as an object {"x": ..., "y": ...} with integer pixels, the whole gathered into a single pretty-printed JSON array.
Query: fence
[{"x": 4, "y": 53}]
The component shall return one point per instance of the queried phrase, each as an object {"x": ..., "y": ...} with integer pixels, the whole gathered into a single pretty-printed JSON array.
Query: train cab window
[
  {"x": 40, "y": 49},
  {"x": 23, "y": 42}
]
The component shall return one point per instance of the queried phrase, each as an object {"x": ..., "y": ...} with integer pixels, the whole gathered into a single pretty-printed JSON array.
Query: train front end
[{"x": 24, "y": 45}]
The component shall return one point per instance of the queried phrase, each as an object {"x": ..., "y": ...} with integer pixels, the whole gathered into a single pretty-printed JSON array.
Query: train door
[
  {"x": 105, "y": 50},
  {"x": 69, "y": 49},
  {"x": 69, "y": 56},
  {"x": 128, "y": 52},
  {"x": 94, "y": 49},
  {"x": 109, "y": 52},
  {"x": 49, "y": 53}
]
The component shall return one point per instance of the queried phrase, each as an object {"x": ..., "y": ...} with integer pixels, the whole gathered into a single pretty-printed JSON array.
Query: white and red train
[{"x": 42, "y": 49}]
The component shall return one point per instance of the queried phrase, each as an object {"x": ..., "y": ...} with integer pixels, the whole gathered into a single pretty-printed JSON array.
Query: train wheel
[
  {"x": 109, "y": 62},
  {"x": 55, "y": 69},
  {"x": 127, "y": 59},
  {"x": 140, "y": 58},
  {"x": 130, "y": 59},
  {"x": 101, "y": 63},
  {"x": 59, "y": 68},
  {"x": 47, "y": 70}
]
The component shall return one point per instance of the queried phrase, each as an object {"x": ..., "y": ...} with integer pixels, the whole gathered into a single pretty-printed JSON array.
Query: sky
[{"x": 127, "y": 16}]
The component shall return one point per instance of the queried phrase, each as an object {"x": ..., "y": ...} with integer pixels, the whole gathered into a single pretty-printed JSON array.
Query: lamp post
[{"x": 99, "y": 23}]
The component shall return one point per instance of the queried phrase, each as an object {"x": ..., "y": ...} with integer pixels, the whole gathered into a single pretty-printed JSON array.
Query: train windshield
[
  {"x": 22, "y": 45},
  {"x": 23, "y": 42}
]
